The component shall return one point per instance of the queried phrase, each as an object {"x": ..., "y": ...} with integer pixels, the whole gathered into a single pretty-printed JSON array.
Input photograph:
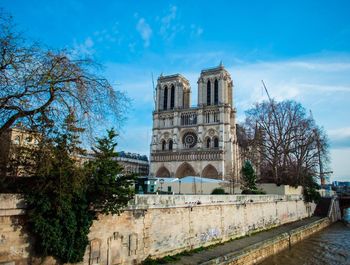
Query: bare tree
[
  {"x": 43, "y": 86},
  {"x": 289, "y": 143}
]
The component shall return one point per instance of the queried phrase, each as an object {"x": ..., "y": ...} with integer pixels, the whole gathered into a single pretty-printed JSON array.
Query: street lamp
[
  {"x": 179, "y": 186},
  {"x": 161, "y": 181}
]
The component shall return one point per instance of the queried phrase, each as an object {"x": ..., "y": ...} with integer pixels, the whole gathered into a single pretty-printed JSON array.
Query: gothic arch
[
  {"x": 216, "y": 142},
  {"x": 211, "y": 133},
  {"x": 163, "y": 145},
  {"x": 184, "y": 170},
  {"x": 172, "y": 97},
  {"x": 165, "y": 99},
  {"x": 163, "y": 172},
  {"x": 210, "y": 172},
  {"x": 207, "y": 142},
  {"x": 208, "y": 92},
  {"x": 216, "y": 92}
]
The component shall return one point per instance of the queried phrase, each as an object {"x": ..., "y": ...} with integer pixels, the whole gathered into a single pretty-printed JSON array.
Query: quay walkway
[{"x": 229, "y": 252}]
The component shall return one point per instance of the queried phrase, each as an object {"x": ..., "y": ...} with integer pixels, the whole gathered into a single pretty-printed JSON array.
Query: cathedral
[{"x": 195, "y": 141}]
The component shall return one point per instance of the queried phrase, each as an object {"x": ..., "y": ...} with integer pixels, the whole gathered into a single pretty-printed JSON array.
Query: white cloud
[
  {"x": 166, "y": 20},
  {"x": 340, "y": 161},
  {"x": 196, "y": 31},
  {"x": 84, "y": 49},
  {"x": 340, "y": 137},
  {"x": 313, "y": 82},
  {"x": 169, "y": 28},
  {"x": 145, "y": 31}
]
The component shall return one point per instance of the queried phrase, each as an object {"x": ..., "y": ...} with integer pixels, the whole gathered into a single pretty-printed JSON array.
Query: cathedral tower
[{"x": 195, "y": 141}]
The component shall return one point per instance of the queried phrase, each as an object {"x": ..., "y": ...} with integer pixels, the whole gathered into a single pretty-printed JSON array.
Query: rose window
[{"x": 189, "y": 139}]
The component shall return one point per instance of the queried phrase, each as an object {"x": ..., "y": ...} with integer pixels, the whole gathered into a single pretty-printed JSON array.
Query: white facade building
[{"x": 199, "y": 141}]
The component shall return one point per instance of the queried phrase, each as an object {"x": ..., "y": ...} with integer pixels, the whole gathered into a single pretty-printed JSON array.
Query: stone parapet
[
  {"x": 184, "y": 155},
  {"x": 170, "y": 201}
]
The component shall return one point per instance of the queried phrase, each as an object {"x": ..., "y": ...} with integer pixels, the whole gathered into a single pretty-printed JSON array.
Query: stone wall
[
  {"x": 14, "y": 241},
  {"x": 272, "y": 188},
  {"x": 156, "y": 226},
  {"x": 256, "y": 253}
]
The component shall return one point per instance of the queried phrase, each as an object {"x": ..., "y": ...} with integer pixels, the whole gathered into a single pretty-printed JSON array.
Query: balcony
[{"x": 187, "y": 155}]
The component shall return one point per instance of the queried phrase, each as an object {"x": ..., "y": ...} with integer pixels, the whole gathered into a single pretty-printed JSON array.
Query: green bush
[
  {"x": 218, "y": 191},
  {"x": 311, "y": 195},
  {"x": 65, "y": 198},
  {"x": 257, "y": 191}
]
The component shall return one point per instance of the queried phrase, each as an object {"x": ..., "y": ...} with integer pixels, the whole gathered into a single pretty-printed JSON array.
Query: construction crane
[
  {"x": 154, "y": 92},
  {"x": 322, "y": 174}
]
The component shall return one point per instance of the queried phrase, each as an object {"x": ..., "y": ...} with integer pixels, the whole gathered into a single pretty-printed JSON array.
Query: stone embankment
[
  {"x": 254, "y": 249},
  {"x": 159, "y": 225}
]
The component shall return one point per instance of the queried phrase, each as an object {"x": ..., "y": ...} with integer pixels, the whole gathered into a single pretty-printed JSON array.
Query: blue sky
[{"x": 301, "y": 49}]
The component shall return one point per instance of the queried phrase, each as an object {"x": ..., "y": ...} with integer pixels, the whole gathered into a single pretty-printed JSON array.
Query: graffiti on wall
[{"x": 210, "y": 234}]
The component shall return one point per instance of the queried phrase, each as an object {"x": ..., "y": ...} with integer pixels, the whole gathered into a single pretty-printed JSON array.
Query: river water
[{"x": 327, "y": 247}]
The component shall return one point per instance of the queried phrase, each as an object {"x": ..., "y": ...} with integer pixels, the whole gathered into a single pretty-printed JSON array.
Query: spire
[{"x": 221, "y": 64}]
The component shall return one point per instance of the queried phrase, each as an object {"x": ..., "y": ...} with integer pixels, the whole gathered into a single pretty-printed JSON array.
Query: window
[
  {"x": 216, "y": 92},
  {"x": 208, "y": 143},
  {"x": 216, "y": 116},
  {"x": 189, "y": 118},
  {"x": 207, "y": 117},
  {"x": 216, "y": 142},
  {"x": 189, "y": 140},
  {"x": 172, "y": 97},
  {"x": 163, "y": 145},
  {"x": 165, "y": 102},
  {"x": 208, "y": 93},
  {"x": 171, "y": 145}
]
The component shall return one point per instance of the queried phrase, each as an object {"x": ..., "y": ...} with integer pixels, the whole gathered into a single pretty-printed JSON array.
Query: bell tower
[
  {"x": 195, "y": 141},
  {"x": 173, "y": 92},
  {"x": 215, "y": 87}
]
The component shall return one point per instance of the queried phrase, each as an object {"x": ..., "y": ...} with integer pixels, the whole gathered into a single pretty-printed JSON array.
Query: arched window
[
  {"x": 208, "y": 93},
  {"x": 163, "y": 145},
  {"x": 216, "y": 92},
  {"x": 216, "y": 142},
  {"x": 165, "y": 102},
  {"x": 171, "y": 145},
  {"x": 172, "y": 97},
  {"x": 208, "y": 143}
]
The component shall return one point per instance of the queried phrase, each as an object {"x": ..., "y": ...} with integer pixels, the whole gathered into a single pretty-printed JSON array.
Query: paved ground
[{"x": 239, "y": 244}]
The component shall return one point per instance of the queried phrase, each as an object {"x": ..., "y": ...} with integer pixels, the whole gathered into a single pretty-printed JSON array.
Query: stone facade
[
  {"x": 134, "y": 166},
  {"x": 195, "y": 141},
  {"x": 12, "y": 144}
]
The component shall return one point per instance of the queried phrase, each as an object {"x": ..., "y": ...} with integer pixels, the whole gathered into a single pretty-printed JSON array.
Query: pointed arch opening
[
  {"x": 216, "y": 142},
  {"x": 185, "y": 170},
  {"x": 210, "y": 172},
  {"x": 163, "y": 172},
  {"x": 163, "y": 145},
  {"x": 170, "y": 144},
  {"x": 208, "y": 142},
  {"x": 208, "y": 92},
  {"x": 172, "y": 97},
  {"x": 216, "y": 92},
  {"x": 165, "y": 101}
]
